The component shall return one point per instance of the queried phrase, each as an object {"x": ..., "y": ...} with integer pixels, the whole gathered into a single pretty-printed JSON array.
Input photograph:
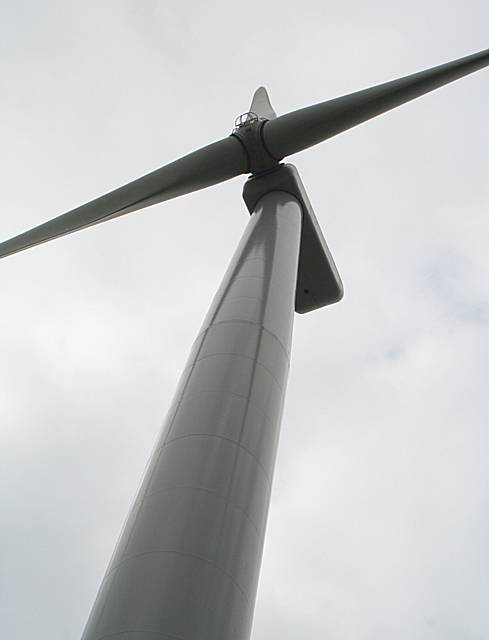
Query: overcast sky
[{"x": 379, "y": 522}]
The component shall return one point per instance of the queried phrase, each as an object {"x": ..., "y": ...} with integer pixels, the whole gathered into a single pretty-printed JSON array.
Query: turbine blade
[
  {"x": 210, "y": 165},
  {"x": 261, "y": 104},
  {"x": 298, "y": 130}
]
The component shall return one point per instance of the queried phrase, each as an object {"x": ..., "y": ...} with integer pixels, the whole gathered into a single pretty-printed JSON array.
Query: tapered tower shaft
[{"x": 187, "y": 562}]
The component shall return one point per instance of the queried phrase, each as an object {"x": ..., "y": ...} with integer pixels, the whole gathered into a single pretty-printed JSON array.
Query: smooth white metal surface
[{"x": 186, "y": 565}]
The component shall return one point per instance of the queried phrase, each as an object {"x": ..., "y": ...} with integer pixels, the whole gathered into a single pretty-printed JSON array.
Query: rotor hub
[{"x": 248, "y": 129}]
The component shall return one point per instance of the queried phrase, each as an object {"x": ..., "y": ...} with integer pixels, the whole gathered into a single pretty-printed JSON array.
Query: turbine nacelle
[{"x": 318, "y": 281}]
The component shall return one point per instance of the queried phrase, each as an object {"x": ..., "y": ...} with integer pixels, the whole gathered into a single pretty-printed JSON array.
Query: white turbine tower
[{"x": 187, "y": 562}]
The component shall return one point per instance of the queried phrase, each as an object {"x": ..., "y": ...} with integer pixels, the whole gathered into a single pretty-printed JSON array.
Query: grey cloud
[{"x": 379, "y": 521}]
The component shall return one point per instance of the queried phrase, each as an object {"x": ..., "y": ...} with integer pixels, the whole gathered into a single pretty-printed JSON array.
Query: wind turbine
[{"x": 187, "y": 562}]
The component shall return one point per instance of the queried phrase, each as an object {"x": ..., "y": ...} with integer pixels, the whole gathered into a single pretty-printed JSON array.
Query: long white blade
[
  {"x": 306, "y": 127},
  {"x": 202, "y": 168}
]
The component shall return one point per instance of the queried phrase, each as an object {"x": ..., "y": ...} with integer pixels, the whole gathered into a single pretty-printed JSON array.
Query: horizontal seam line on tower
[
  {"x": 239, "y": 296},
  {"x": 212, "y": 435},
  {"x": 210, "y": 491},
  {"x": 181, "y": 553},
  {"x": 240, "y": 355},
  {"x": 256, "y": 324},
  {"x": 184, "y": 399},
  {"x": 162, "y": 634}
]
